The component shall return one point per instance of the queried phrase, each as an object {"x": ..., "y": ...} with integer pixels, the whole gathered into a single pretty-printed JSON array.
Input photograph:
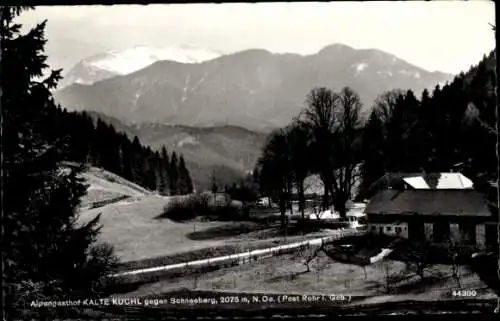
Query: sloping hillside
[
  {"x": 227, "y": 152},
  {"x": 106, "y": 187}
]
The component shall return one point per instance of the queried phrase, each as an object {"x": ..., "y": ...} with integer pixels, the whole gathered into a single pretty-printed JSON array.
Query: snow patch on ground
[
  {"x": 82, "y": 81},
  {"x": 190, "y": 140},
  {"x": 360, "y": 67},
  {"x": 384, "y": 73}
]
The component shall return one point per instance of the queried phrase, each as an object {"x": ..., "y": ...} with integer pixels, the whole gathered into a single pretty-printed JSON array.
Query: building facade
[{"x": 433, "y": 212}]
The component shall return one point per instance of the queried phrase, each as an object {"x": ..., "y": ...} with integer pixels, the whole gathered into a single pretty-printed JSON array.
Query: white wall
[
  {"x": 480, "y": 235},
  {"x": 454, "y": 231},
  {"x": 428, "y": 230},
  {"x": 392, "y": 229}
]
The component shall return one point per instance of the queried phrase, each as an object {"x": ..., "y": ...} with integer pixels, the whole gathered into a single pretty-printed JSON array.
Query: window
[
  {"x": 388, "y": 228},
  {"x": 398, "y": 229}
]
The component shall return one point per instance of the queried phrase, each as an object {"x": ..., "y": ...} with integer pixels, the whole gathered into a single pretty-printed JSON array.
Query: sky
[{"x": 447, "y": 36}]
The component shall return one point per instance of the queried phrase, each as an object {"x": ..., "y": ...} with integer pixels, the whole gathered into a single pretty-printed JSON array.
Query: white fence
[{"x": 241, "y": 258}]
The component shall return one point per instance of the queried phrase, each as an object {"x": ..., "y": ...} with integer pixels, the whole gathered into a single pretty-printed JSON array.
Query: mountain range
[
  {"x": 253, "y": 89},
  {"x": 226, "y": 152},
  {"x": 122, "y": 62}
]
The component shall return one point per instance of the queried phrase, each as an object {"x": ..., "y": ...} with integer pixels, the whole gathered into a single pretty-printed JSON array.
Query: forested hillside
[
  {"x": 227, "y": 152},
  {"x": 450, "y": 129},
  {"x": 94, "y": 142}
]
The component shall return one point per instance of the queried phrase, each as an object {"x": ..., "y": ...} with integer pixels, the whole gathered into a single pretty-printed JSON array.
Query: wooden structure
[{"x": 433, "y": 213}]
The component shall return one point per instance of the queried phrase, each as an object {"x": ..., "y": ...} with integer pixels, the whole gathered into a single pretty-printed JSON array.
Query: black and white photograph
[{"x": 260, "y": 160}]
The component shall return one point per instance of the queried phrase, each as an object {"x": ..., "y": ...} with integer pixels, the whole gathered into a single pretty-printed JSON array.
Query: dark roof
[{"x": 429, "y": 202}]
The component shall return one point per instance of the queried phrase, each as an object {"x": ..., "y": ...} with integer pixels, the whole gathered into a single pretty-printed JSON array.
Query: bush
[
  {"x": 185, "y": 209},
  {"x": 199, "y": 205},
  {"x": 226, "y": 212}
]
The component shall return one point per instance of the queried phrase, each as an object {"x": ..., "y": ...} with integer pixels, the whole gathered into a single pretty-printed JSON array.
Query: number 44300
[{"x": 464, "y": 293}]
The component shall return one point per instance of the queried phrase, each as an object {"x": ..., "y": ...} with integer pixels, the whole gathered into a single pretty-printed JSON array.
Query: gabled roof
[
  {"x": 439, "y": 181},
  {"x": 463, "y": 202},
  {"x": 422, "y": 181}
]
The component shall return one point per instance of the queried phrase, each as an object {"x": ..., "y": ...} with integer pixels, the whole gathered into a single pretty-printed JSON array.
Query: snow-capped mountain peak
[
  {"x": 125, "y": 61},
  {"x": 132, "y": 59},
  {"x": 122, "y": 62}
]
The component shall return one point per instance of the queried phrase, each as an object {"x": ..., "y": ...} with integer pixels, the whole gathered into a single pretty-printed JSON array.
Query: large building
[{"x": 435, "y": 207}]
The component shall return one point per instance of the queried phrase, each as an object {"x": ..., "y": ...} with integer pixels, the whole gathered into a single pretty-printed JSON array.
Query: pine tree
[
  {"x": 137, "y": 160},
  {"x": 158, "y": 171},
  {"x": 185, "y": 182},
  {"x": 164, "y": 172},
  {"x": 173, "y": 175},
  {"x": 48, "y": 255}
]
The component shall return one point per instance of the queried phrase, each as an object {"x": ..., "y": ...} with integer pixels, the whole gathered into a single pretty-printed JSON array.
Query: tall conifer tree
[
  {"x": 173, "y": 174},
  {"x": 48, "y": 255},
  {"x": 185, "y": 182}
]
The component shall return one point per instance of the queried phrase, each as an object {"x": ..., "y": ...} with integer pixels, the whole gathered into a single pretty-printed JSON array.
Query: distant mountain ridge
[
  {"x": 254, "y": 89},
  {"x": 228, "y": 152},
  {"x": 122, "y": 62}
]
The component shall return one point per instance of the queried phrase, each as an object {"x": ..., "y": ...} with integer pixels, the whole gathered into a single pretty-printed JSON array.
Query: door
[
  {"x": 491, "y": 235},
  {"x": 416, "y": 231},
  {"x": 467, "y": 233},
  {"x": 441, "y": 231}
]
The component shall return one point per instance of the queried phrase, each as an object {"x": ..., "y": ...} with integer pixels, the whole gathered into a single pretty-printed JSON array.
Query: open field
[
  {"x": 287, "y": 274},
  {"x": 132, "y": 228}
]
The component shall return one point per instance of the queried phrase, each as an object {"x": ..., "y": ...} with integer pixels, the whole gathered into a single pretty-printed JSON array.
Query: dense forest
[
  {"x": 451, "y": 129},
  {"x": 97, "y": 143}
]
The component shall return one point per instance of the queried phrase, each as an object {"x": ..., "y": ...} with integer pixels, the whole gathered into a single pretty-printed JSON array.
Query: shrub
[
  {"x": 226, "y": 212},
  {"x": 199, "y": 205},
  {"x": 188, "y": 208}
]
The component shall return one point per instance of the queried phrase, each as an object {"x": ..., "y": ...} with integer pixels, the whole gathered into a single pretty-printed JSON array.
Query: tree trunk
[
  {"x": 302, "y": 200},
  {"x": 340, "y": 205},
  {"x": 342, "y": 211},
  {"x": 282, "y": 209},
  {"x": 326, "y": 200}
]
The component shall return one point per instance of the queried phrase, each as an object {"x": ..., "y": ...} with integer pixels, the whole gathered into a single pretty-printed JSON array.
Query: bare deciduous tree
[
  {"x": 335, "y": 125},
  {"x": 348, "y": 145},
  {"x": 417, "y": 258},
  {"x": 455, "y": 248},
  {"x": 274, "y": 170},
  {"x": 319, "y": 117},
  {"x": 298, "y": 138},
  {"x": 310, "y": 252}
]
